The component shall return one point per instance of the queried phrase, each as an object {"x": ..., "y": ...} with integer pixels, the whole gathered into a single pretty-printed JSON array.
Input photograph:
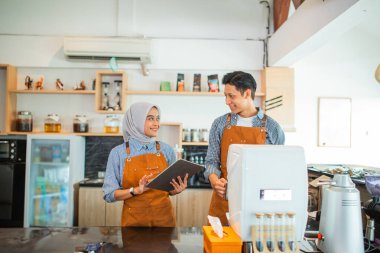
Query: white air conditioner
[{"x": 123, "y": 49}]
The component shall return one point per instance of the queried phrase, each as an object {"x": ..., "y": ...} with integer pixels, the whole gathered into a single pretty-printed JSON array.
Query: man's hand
[{"x": 219, "y": 185}]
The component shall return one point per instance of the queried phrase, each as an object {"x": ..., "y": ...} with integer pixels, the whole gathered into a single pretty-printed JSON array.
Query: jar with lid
[
  {"x": 204, "y": 135},
  {"x": 186, "y": 134},
  {"x": 52, "y": 123},
  {"x": 195, "y": 137},
  {"x": 80, "y": 124},
  {"x": 111, "y": 124},
  {"x": 24, "y": 121}
]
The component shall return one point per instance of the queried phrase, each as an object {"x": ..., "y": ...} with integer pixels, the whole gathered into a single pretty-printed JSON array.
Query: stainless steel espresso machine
[{"x": 340, "y": 228}]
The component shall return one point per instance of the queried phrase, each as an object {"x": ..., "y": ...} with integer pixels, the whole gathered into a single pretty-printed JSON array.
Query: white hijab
[{"x": 134, "y": 121}]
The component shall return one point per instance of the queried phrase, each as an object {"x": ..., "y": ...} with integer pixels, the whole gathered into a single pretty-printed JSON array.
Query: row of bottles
[{"x": 274, "y": 232}]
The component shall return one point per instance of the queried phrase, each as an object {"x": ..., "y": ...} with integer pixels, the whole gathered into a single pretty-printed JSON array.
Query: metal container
[{"x": 340, "y": 228}]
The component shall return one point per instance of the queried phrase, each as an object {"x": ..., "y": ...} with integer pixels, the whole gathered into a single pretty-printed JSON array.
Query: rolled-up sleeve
[
  {"x": 212, "y": 162},
  {"x": 112, "y": 180}
]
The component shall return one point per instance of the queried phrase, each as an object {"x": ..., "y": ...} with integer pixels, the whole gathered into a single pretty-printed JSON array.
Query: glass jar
[
  {"x": 52, "y": 123},
  {"x": 80, "y": 124},
  {"x": 204, "y": 135},
  {"x": 24, "y": 121},
  {"x": 195, "y": 136},
  {"x": 186, "y": 134},
  {"x": 111, "y": 124}
]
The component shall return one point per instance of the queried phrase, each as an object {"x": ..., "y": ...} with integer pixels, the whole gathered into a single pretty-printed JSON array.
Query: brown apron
[
  {"x": 233, "y": 135},
  {"x": 153, "y": 208}
]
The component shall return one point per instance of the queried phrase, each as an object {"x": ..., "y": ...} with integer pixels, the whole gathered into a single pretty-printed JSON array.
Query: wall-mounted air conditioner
[{"x": 103, "y": 49}]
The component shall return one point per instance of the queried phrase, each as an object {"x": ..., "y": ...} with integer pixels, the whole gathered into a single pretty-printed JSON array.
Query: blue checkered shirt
[{"x": 274, "y": 135}]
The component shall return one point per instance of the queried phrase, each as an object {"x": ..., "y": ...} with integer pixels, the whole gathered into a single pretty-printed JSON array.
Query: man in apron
[
  {"x": 245, "y": 124},
  {"x": 132, "y": 164}
]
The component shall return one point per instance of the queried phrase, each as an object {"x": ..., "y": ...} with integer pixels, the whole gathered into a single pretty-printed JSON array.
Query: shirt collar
[
  {"x": 142, "y": 146},
  {"x": 260, "y": 114}
]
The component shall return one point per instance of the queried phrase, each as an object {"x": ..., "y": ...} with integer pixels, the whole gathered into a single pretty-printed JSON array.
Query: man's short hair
[{"x": 242, "y": 81}]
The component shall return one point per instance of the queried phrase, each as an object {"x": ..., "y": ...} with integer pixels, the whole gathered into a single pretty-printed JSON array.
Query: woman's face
[{"x": 152, "y": 123}]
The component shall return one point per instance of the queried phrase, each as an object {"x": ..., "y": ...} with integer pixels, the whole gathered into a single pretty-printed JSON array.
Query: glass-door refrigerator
[{"x": 54, "y": 163}]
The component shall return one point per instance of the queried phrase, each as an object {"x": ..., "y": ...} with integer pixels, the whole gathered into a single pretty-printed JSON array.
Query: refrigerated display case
[{"x": 54, "y": 164}]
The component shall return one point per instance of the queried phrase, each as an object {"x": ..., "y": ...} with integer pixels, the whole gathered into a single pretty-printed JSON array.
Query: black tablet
[{"x": 179, "y": 168}]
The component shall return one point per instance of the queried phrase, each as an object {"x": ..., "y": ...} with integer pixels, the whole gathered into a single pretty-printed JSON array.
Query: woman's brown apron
[
  {"x": 233, "y": 135},
  {"x": 153, "y": 208}
]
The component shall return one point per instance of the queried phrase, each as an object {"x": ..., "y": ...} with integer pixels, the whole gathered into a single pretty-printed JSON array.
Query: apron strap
[
  {"x": 228, "y": 124},
  {"x": 128, "y": 150},
  {"x": 158, "y": 148},
  {"x": 263, "y": 120}
]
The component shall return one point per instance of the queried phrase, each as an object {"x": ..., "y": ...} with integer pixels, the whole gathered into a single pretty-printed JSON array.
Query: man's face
[{"x": 235, "y": 100}]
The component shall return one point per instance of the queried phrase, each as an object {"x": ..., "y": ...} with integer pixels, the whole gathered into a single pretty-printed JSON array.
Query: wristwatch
[{"x": 132, "y": 192}]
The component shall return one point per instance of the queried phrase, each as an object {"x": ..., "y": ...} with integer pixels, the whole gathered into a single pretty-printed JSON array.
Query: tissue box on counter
[{"x": 230, "y": 243}]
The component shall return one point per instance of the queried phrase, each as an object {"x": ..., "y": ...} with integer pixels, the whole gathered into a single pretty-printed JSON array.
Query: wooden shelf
[
  {"x": 67, "y": 133},
  {"x": 176, "y": 93},
  {"x": 109, "y": 112},
  {"x": 194, "y": 143},
  {"x": 81, "y": 92}
]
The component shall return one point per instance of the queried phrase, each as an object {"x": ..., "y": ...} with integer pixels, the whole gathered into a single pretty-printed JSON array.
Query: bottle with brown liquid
[
  {"x": 80, "y": 124},
  {"x": 24, "y": 121},
  {"x": 52, "y": 123}
]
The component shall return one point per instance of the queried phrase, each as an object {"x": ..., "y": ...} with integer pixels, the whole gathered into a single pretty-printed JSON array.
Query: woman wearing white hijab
[{"x": 139, "y": 159}]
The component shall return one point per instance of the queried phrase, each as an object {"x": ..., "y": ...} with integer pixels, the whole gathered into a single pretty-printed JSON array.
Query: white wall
[
  {"x": 210, "y": 37},
  {"x": 31, "y": 34},
  {"x": 344, "y": 67}
]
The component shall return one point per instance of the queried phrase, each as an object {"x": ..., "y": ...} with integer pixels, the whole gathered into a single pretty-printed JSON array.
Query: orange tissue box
[{"x": 230, "y": 243}]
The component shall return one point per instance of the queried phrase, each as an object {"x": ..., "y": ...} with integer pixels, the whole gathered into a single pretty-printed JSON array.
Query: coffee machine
[
  {"x": 372, "y": 207},
  {"x": 340, "y": 227}
]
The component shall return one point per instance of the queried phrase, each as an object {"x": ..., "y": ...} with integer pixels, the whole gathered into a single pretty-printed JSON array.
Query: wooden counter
[{"x": 117, "y": 239}]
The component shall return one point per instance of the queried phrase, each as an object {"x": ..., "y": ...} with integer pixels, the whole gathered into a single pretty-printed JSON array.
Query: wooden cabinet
[
  {"x": 92, "y": 211},
  {"x": 7, "y": 112},
  {"x": 95, "y": 211},
  {"x": 279, "y": 85},
  {"x": 192, "y": 207},
  {"x": 113, "y": 83}
]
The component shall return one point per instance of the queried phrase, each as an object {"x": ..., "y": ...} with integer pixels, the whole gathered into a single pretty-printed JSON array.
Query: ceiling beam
[
  {"x": 313, "y": 24},
  {"x": 280, "y": 12}
]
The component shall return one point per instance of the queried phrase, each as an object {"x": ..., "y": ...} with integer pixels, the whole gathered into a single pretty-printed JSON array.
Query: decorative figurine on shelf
[
  {"x": 117, "y": 102},
  {"x": 81, "y": 86},
  {"x": 58, "y": 84},
  {"x": 39, "y": 83},
  {"x": 29, "y": 83},
  {"x": 105, "y": 101},
  {"x": 114, "y": 96}
]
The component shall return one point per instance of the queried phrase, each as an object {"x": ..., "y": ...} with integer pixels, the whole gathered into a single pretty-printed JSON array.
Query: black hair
[{"x": 242, "y": 81}]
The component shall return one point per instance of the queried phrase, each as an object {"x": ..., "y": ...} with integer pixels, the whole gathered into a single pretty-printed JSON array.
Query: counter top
[
  {"x": 98, "y": 182},
  {"x": 117, "y": 239},
  {"x": 357, "y": 172}
]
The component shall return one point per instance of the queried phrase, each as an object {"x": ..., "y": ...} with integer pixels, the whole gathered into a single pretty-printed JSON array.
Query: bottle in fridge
[{"x": 54, "y": 164}]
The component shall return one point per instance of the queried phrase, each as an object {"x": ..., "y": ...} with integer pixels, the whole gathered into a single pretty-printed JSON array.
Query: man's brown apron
[
  {"x": 233, "y": 135},
  {"x": 153, "y": 208}
]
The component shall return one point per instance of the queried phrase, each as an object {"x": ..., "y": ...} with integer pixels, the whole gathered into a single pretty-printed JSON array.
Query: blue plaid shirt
[
  {"x": 115, "y": 165},
  {"x": 274, "y": 135}
]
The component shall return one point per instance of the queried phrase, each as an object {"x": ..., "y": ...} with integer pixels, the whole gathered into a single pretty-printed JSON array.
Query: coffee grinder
[{"x": 372, "y": 208}]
